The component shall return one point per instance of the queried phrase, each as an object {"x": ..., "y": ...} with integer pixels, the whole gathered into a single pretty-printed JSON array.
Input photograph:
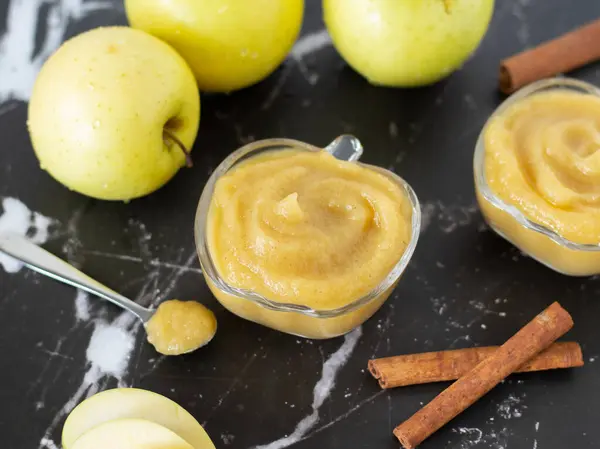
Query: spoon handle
[{"x": 40, "y": 260}]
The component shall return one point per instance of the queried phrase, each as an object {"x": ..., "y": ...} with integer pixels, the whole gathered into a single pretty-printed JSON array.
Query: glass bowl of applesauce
[
  {"x": 305, "y": 240},
  {"x": 537, "y": 174}
]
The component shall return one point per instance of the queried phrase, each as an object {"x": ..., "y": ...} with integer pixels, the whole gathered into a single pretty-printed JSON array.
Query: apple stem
[{"x": 188, "y": 158}]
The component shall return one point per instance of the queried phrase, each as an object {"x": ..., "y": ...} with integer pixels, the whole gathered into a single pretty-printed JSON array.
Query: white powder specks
[
  {"x": 110, "y": 349},
  {"x": 321, "y": 391},
  {"x": 427, "y": 215},
  {"x": 511, "y": 407},
  {"x": 477, "y": 305},
  {"x": 439, "y": 305},
  {"x": 448, "y": 217},
  {"x": 472, "y": 437},
  {"x": 453, "y": 216},
  {"x": 475, "y": 434},
  {"x": 470, "y": 102},
  {"x": 19, "y": 219},
  {"x": 227, "y": 438},
  {"x": 82, "y": 306},
  {"x": 537, "y": 428},
  {"x": 484, "y": 309}
]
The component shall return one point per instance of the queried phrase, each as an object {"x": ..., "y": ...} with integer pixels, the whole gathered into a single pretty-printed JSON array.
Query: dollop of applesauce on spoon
[{"x": 179, "y": 327}]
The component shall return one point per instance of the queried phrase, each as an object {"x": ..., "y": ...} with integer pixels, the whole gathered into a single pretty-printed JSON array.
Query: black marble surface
[{"x": 251, "y": 385}]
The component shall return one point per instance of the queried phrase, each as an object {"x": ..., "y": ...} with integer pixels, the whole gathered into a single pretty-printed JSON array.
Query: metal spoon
[{"x": 40, "y": 260}]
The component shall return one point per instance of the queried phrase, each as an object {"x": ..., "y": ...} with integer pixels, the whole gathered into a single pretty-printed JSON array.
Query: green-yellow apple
[
  {"x": 111, "y": 113},
  {"x": 229, "y": 44},
  {"x": 123, "y": 403},
  {"x": 130, "y": 434},
  {"x": 404, "y": 43}
]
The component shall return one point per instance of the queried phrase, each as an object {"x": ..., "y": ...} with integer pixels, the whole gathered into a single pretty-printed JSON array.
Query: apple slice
[
  {"x": 130, "y": 434},
  {"x": 123, "y": 403}
]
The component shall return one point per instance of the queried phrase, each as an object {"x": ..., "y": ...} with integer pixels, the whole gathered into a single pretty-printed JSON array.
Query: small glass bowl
[
  {"x": 297, "y": 319},
  {"x": 534, "y": 239}
]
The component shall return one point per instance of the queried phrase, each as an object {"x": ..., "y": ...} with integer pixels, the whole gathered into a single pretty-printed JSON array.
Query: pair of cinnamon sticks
[
  {"x": 563, "y": 54},
  {"x": 478, "y": 370}
]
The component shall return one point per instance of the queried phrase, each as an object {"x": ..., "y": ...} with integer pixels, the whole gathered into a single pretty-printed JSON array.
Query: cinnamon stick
[
  {"x": 536, "y": 336},
  {"x": 563, "y": 54},
  {"x": 427, "y": 367}
]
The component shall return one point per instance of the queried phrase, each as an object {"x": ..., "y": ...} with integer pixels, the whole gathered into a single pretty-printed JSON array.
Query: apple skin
[
  {"x": 229, "y": 44},
  {"x": 98, "y": 108},
  {"x": 134, "y": 403},
  {"x": 406, "y": 43},
  {"x": 130, "y": 434}
]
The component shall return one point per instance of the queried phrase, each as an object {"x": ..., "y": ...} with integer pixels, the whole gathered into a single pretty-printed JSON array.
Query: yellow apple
[
  {"x": 130, "y": 434},
  {"x": 229, "y": 44},
  {"x": 406, "y": 43},
  {"x": 107, "y": 109},
  {"x": 124, "y": 403}
]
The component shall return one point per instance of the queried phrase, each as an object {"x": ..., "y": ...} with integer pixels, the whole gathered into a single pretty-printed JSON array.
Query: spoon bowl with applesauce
[{"x": 174, "y": 328}]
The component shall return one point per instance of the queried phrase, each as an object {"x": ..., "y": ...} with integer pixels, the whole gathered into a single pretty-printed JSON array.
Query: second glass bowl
[{"x": 539, "y": 242}]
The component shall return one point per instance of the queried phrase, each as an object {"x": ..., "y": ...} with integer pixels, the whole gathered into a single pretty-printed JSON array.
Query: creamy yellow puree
[
  {"x": 178, "y": 327},
  {"x": 305, "y": 228},
  {"x": 542, "y": 156}
]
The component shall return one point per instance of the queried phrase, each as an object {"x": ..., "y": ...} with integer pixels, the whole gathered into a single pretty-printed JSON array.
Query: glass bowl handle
[{"x": 346, "y": 148}]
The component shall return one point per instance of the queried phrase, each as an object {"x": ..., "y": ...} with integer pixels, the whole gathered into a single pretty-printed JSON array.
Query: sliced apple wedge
[
  {"x": 123, "y": 403},
  {"x": 130, "y": 434}
]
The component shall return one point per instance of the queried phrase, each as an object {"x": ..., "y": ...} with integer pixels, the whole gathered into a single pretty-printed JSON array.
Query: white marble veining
[
  {"x": 19, "y": 64},
  {"x": 82, "y": 306},
  {"x": 311, "y": 43},
  {"x": 17, "y": 218},
  {"x": 321, "y": 392}
]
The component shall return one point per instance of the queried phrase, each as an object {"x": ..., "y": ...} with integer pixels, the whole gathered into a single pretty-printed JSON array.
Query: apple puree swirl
[
  {"x": 543, "y": 156},
  {"x": 305, "y": 228}
]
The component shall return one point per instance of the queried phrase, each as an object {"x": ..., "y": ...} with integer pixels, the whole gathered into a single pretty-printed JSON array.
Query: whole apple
[
  {"x": 229, "y": 44},
  {"x": 405, "y": 43},
  {"x": 112, "y": 112}
]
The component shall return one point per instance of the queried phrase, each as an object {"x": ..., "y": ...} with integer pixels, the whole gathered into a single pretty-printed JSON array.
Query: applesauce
[
  {"x": 537, "y": 169},
  {"x": 178, "y": 327},
  {"x": 301, "y": 241}
]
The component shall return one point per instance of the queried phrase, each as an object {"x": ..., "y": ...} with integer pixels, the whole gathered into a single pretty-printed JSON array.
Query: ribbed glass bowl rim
[
  {"x": 210, "y": 271},
  {"x": 479, "y": 159}
]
